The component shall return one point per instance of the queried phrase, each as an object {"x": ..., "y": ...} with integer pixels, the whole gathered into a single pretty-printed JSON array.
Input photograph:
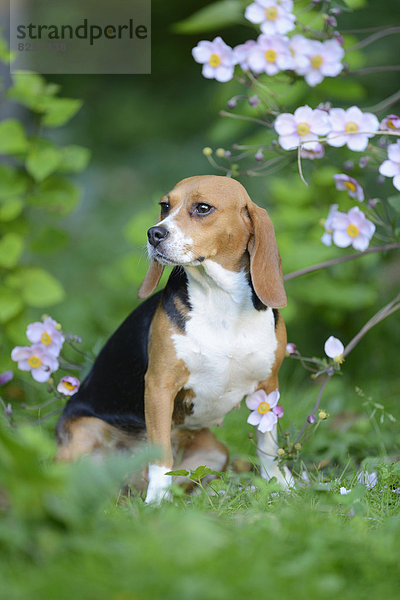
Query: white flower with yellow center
[
  {"x": 265, "y": 410},
  {"x": 303, "y": 127},
  {"x": 350, "y": 185},
  {"x": 48, "y": 333},
  {"x": 352, "y": 229},
  {"x": 334, "y": 349},
  {"x": 36, "y": 359},
  {"x": 351, "y": 127},
  {"x": 328, "y": 224},
  {"x": 391, "y": 167},
  {"x": 316, "y": 60},
  {"x": 68, "y": 385},
  {"x": 270, "y": 55},
  {"x": 217, "y": 58},
  {"x": 273, "y": 16}
]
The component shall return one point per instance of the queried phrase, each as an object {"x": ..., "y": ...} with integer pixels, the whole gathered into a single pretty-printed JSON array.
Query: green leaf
[
  {"x": 214, "y": 16},
  {"x": 178, "y": 473},
  {"x": 394, "y": 202},
  {"x": 38, "y": 288},
  {"x": 74, "y": 159},
  {"x": 12, "y": 182},
  {"x": 43, "y": 159},
  {"x": 201, "y": 472},
  {"x": 48, "y": 240},
  {"x": 10, "y": 304},
  {"x": 10, "y": 209},
  {"x": 12, "y": 137},
  {"x": 59, "y": 110},
  {"x": 11, "y": 247},
  {"x": 355, "y": 4},
  {"x": 30, "y": 89},
  {"x": 55, "y": 194}
]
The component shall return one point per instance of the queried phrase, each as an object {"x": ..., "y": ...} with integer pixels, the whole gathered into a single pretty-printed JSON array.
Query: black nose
[{"x": 157, "y": 234}]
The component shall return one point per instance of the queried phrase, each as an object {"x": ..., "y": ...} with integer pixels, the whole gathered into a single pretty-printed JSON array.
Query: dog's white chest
[{"x": 228, "y": 348}]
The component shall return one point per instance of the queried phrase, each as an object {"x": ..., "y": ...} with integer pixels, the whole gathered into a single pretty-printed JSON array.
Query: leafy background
[{"x": 73, "y": 245}]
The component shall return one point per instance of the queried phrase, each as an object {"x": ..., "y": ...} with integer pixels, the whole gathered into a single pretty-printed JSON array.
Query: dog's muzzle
[{"x": 156, "y": 235}]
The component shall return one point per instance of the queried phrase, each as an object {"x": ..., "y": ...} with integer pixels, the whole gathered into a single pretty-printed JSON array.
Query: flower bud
[
  {"x": 297, "y": 447},
  {"x": 291, "y": 348},
  {"x": 281, "y": 452},
  {"x": 8, "y": 410},
  {"x": 259, "y": 156},
  {"x": 323, "y": 415},
  {"x": 6, "y": 377},
  {"x": 220, "y": 152},
  {"x": 232, "y": 103},
  {"x": 311, "y": 419},
  {"x": 331, "y": 21},
  {"x": 207, "y": 151},
  {"x": 254, "y": 101},
  {"x": 335, "y": 11},
  {"x": 373, "y": 203},
  {"x": 348, "y": 165},
  {"x": 363, "y": 162}
]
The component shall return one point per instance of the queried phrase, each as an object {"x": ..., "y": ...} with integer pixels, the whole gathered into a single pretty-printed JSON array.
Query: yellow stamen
[
  {"x": 69, "y": 386},
  {"x": 303, "y": 128},
  {"x": 350, "y": 186},
  {"x": 34, "y": 362},
  {"x": 263, "y": 408},
  {"x": 317, "y": 61},
  {"x": 271, "y": 13},
  {"x": 214, "y": 60},
  {"x": 339, "y": 359},
  {"x": 352, "y": 230},
  {"x": 351, "y": 127},
  {"x": 45, "y": 338},
  {"x": 270, "y": 55}
]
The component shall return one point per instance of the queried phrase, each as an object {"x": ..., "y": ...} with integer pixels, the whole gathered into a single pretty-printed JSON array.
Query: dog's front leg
[{"x": 158, "y": 413}]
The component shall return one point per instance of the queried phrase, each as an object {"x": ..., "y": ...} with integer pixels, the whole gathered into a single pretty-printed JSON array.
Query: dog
[{"x": 189, "y": 354}]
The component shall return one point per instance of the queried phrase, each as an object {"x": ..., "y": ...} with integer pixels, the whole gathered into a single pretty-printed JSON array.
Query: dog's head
[{"x": 212, "y": 218}]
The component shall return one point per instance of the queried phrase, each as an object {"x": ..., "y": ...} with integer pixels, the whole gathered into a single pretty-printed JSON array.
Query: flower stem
[{"x": 341, "y": 259}]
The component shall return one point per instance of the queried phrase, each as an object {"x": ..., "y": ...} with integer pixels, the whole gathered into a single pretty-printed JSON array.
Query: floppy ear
[
  {"x": 265, "y": 262},
  {"x": 151, "y": 280}
]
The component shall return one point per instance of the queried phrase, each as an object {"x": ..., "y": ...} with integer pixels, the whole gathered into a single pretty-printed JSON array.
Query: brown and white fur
[{"x": 214, "y": 337}]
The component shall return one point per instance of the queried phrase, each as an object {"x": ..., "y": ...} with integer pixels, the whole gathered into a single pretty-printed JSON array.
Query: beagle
[{"x": 190, "y": 353}]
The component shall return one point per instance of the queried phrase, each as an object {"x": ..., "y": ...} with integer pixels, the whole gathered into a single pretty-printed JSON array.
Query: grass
[{"x": 67, "y": 532}]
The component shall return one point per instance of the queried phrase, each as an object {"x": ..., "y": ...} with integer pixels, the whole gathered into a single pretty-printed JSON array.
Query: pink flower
[
  {"x": 6, "y": 377},
  {"x": 68, "y": 386},
  {"x": 391, "y": 122},
  {"x": 48, "y": 334},
  {"x": 241, "y": 53},
  {"x": 266, "y": 410},
  {"x": 317, "y": 152},
  {"x": 350, "y": 185},
  {"x": 328, "y": 224},
  {"x": 270, "y": 55},
  {"x": 274, "y": 16},
  {"x": 291, "y": 348},
  {"x": 305, "y": 125},
  {"x": 334, "y": 349},
  {"x": 36, "y": 359},
  {"x": 352, "y": 229},
  {"x": 351, "y": 127},
  {"x": 217, "y": 58},
  {"x": 323, "y": 59},
  {"x": 391, "y": 167}
]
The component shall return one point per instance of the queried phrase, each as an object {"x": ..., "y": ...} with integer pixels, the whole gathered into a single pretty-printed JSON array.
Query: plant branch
[
  {"x": 374, "y": 37},
  {"x": 339, "y": 260},
  {"x": 316, "y": 405},
  {"x": 387, "y": 310}
]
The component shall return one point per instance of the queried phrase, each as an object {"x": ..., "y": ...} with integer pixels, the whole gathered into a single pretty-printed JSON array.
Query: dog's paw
[{"x": 159, "y": 484}]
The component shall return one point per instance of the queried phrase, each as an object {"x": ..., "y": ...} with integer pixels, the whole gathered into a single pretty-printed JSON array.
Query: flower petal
[{"x": 267, "y": 422}]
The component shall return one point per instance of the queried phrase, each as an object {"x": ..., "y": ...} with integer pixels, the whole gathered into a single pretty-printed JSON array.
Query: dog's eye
[
  {"x": 164, "y": 208},
  {"x": 202, "y": 209}
]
